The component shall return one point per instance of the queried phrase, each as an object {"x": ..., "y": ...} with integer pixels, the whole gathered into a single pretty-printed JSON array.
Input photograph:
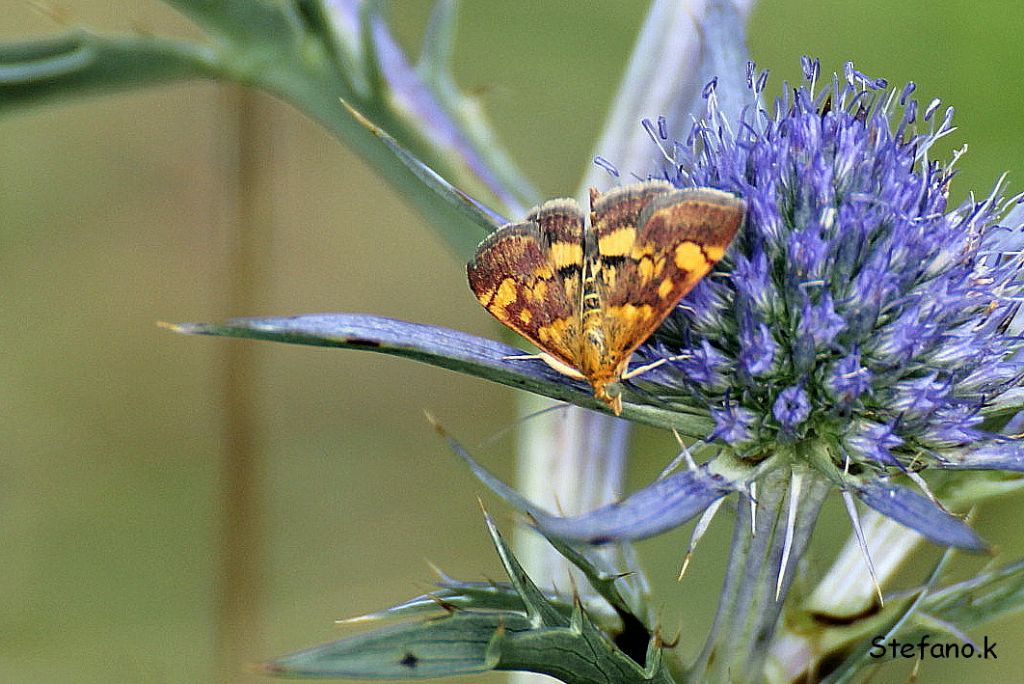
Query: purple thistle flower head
[
  {"x": 791, "y": 408},
  {"x": 860, "y": 309}
]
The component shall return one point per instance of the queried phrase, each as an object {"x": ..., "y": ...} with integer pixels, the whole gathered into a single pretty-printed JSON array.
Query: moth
[{"x": 588, "y": 293}]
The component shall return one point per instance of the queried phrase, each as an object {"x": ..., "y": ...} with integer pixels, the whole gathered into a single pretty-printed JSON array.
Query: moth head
[{"x": 610, "y": 393}]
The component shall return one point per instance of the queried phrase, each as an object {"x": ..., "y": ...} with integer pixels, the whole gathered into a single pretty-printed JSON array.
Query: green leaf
[
  {"x": 987, "y": 596},
  {"x": 581, "y": 654},
  {"x": 442, "y": 347},
  {"x": 252, "y": 22},
  {"x": 468, "y": 642},
  {"x": 82, "y": 63},
  {"x": 302, "y": 52},
  {"x": 540, "y": 612},
  {"x": 665, "y": 503},
  {"x": 476, "y": 213},
  {"x": 895, "y": 618},
  {"x": 434, "y": 68},
  {"x": 457, "y": 644},
  {"x": 545, "y": 640},
  {"x": 453, "y": 595},
  {"x": 606, "y": 582}
]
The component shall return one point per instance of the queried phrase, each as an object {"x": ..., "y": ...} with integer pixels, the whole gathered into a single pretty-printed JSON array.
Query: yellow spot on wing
[
  {"x": 539, "y": 291},
  {"x": 665, "y": 289},
  {"x": 688, "y": 257},
  {"x": 566, "y": 254},
  {"x": 630, "y": 313},
  {"x": 507, "y": 293},
  {"x": 617, "y": 243},
  {"x": 640, "y": 251},
  {"x": 543, "y": 272},
  {"x": 525, "y": 316},
  {"x": 646, "y": 269},
  {"x": 714, "y": 252},
  {"x": 554, "y": 331}
]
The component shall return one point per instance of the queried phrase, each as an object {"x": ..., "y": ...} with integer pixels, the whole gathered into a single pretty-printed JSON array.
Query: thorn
[
  {"x": 914, "y": 673},
  {"x": 851, "y": 510},
  {"x": 368, "y": 617},
  {"x": 698, "y": 532},
  {"x": 685, "y": 450},
  {"x": 683, "y": 455},
  {"x": 575, "y": 589},
  {"x": 753, "y": 509},
  {"x": 439, "y": 430},
  {"x": 441, "y": 574},
  {"x": 441, "y": 603},
  {"x": 558, "y": 505},
  {"x": 686, "y": 564},
  {"x": 361, "y": 119},
  {"x": 500, "y": 630},
  {"x": 920, "y": 482},
  {"x": 795, "y": 482},
  {"x": 173, "y": 327},
  {"x": 264, "y": 668},
  {"x": 656, "y": 638}
]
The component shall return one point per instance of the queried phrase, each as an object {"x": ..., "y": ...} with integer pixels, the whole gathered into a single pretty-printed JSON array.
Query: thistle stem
[
  {"x": 577, "y": 463},
  {"x": 571, "y": 461},
  {"x": 748, "y": 610}
]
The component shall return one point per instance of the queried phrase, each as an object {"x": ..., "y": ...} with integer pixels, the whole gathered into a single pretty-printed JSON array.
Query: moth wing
[
  {"x": 679, "y": 237},
  {"x": 527, "y": 276}
]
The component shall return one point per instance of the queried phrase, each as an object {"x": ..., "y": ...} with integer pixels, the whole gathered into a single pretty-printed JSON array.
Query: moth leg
[
  {"x": 651, "y": 366},
  {"x": 563, "y": 368}
]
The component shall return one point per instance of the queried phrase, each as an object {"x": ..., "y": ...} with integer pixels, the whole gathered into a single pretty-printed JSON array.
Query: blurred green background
[{"x": 122, "y": 211}]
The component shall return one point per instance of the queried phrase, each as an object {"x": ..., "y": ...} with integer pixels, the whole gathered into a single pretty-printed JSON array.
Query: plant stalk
[{"x": 752, "y": 595}]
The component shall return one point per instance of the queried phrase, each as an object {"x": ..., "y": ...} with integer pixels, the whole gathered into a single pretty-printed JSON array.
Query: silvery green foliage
[
  {"x": 788, "y": 399},
  {"x": 499, "y": 626},
  {"x": 859, "y": 332}
]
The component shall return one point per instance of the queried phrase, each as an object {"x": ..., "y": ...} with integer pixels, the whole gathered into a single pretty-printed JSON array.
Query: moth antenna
[{"x": 519, "y": 421}]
